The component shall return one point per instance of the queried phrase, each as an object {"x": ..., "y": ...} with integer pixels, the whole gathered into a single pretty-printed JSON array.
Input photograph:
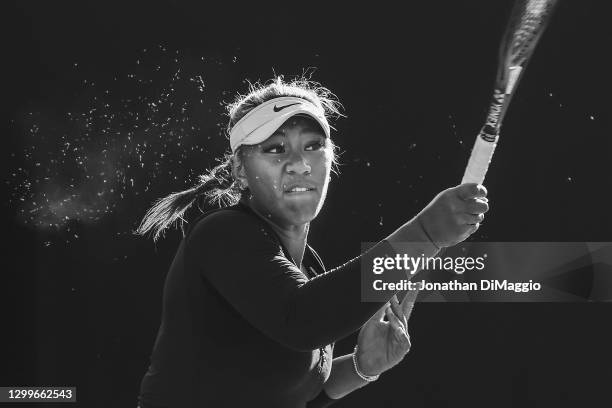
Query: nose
[{"x": 297, "y": 164}]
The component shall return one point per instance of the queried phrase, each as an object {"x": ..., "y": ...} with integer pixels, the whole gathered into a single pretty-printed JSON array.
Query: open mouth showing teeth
[{"x": 299, "y": 190}]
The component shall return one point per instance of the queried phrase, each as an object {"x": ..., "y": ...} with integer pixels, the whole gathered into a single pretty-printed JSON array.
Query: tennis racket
[{"x": 528, "y": 20}]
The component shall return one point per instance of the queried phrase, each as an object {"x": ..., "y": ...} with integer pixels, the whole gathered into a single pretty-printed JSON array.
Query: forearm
[{"x": 343, "y": 379}]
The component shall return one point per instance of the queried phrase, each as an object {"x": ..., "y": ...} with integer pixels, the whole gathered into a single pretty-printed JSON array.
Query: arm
[
  {"x": 343, "y": 379},
  {"x": 233, "y": 251}
]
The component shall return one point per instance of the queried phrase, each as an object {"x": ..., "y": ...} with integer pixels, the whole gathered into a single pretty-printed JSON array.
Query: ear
[{"x": 238, "y": 171}]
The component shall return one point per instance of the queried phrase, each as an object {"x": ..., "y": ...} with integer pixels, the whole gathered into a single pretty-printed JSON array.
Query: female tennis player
[{"x": 250, "y": 314}]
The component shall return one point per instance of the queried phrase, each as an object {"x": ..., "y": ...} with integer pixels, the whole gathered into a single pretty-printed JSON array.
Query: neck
[{"x": 293, "y": 237}]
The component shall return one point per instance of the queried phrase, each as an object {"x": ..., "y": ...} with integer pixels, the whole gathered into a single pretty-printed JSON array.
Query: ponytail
[{"x": 217, "y": 187}]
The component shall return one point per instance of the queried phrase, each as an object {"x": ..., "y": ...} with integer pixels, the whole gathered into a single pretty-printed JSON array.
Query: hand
[
  {"x": 383, "y": 344},
  {"x": 454, "y": 214}
]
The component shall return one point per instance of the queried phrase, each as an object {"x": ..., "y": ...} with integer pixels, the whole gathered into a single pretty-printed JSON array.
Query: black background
[{"x": 415, "y": 83}]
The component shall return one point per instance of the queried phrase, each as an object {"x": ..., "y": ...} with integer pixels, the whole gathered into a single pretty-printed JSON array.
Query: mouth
[{"x": 299, "y": 190}]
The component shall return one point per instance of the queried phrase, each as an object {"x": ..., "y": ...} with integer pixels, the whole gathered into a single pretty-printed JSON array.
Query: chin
[
  {"x": 291, "y": 212},
  {"x": 301, "y": 215}
]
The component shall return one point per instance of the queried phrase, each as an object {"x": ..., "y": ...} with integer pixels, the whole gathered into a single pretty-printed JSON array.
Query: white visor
[{"x": 259, "y": 124}]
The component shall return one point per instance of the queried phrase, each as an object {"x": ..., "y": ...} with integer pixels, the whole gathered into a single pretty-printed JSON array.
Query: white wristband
[{"x": 368, "y": 378}]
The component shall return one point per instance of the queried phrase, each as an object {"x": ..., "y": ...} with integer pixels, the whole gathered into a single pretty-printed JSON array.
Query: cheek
[
  {"x": 263, "y": 177},
  {"x": 324, "y": 162}
]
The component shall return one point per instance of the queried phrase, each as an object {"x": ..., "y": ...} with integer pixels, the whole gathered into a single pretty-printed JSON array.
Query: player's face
[{"x": 288, "y": 173}]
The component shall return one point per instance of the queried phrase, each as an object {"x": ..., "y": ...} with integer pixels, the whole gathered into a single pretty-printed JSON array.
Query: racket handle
[{"x": 481, "y": 156}]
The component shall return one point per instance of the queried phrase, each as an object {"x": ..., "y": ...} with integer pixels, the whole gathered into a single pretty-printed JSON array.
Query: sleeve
[{"x": 246, "y": 266}]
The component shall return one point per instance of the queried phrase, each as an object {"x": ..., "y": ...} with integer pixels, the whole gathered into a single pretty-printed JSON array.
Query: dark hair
[{"x": 217, "y": 187}]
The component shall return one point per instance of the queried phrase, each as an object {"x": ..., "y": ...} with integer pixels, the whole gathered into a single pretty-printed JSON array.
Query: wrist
[
  {"x": 419, "y": 222},
  {"x": 359, "y": 371},
  {"x": 411, "y": 238}
]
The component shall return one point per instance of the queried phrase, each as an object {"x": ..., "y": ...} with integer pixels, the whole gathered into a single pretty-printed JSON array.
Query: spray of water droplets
[{"x": 116, "y": 139}]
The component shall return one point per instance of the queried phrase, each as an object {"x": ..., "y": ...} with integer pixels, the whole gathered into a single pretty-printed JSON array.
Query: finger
[
  {"x": 468, "y": 229},
  {"x": 471, "y": 190},
  {"x": 393, "y": 320},
  {"x": 399, "y": 313},
  {"x": 398, "y": 331},
  {"x": 473, "y": 228},
  {"x": 408, "y": 302},
  {"x": 476, "y": 205},
  {"x": 471, "y": 219}
]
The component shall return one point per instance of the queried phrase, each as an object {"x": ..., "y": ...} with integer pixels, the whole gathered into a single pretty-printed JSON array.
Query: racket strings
[{"x": 530, "y": 23}]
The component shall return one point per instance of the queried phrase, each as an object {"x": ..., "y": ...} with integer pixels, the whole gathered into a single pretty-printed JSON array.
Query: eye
[
  {"x": 275, "y": 148},
  {"x": 318, "y": 145}
]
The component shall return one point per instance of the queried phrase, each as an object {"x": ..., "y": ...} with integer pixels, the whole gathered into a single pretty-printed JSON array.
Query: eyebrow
[
  {"x": 315, "y": 129},
  {"x": 308, "y": 129}
]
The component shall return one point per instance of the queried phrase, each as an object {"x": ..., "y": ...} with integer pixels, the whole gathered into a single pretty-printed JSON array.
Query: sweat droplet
[{"x": 83, "y": 163}]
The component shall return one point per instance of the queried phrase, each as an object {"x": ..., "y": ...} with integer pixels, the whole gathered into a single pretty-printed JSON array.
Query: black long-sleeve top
[{"x": 242, "y": 325}]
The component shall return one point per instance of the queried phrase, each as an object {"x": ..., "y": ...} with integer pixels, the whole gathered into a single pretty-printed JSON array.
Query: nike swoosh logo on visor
[{"x": 277, "y": 109}]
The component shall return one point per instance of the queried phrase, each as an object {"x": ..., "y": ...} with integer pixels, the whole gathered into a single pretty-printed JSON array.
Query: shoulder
[
  {"x": 224, "y": 217},
  {"x": 227, "y": 225}
]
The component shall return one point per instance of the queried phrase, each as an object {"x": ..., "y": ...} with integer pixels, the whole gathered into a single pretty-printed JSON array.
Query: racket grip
[{"x": 481, "y": 156}]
